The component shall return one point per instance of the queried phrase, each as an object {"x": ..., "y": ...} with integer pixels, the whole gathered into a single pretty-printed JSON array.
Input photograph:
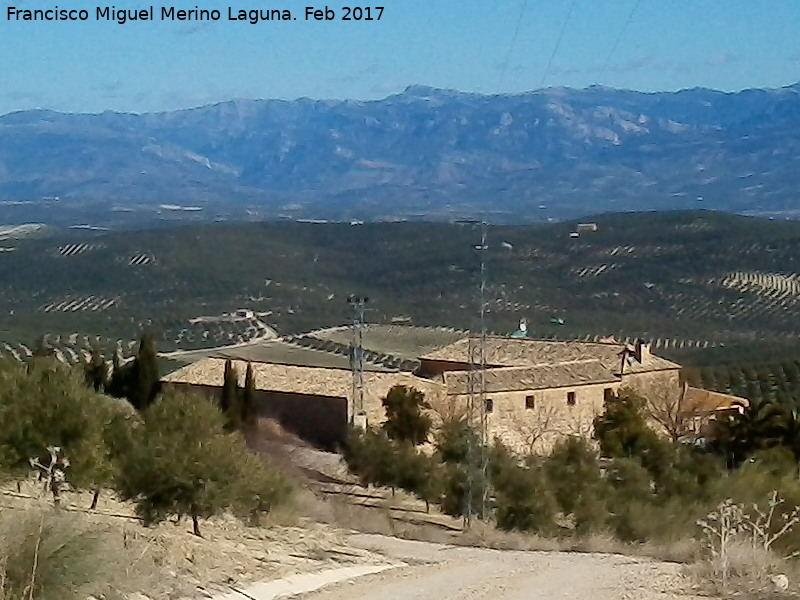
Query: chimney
[{"x": 642, "y": 352}]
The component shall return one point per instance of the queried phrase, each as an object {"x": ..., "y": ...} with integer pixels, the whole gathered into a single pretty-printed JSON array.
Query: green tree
[
  {"x": 249, "y": 406},
  {"x": 405, "y": 419},
  {"x": 573, "y": 471},
  {"x": 120, "y": 378},
  {"x": 47, "y": 404},
  {"x": 622, "y": 429},
  {"x": 95, "y": 371},
  {"x": 523, "y": 498},
  {"x": 760, "y": 426},
  {"x": 417, "y": 473},
  {"x": 463, "y": 485},
  {"x": 459, "y": 448},
  {"x": 182, "y": 461},
  {"x": 371, "y": 455},
  {"x": 453, "y": 441},
  {"x": 145, "y": 380},
  {"x": 231, "y": 397},
  {"x": 261, "y": 488}
]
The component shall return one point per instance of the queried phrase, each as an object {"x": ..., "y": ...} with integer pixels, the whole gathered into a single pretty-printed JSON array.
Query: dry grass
[
  {"x": 380, "y": 520},
  {"x": 752, "y": 573},
  {"x": 180, "y": 564},
  {"x": 486, "y": 535},
  {"x": 56, "y": 555}
]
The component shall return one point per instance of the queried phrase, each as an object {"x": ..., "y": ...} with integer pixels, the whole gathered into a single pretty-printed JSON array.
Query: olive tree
[
  {"x": 44, "y": 405},
  {"x": 182, "y": 462}
]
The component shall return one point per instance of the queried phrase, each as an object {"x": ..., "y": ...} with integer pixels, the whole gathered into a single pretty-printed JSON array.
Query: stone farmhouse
[{"x": 536, "y": 391}]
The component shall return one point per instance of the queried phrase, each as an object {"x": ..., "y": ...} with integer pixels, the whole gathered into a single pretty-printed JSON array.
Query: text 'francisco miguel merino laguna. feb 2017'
[{"x": 121, "y": 16}]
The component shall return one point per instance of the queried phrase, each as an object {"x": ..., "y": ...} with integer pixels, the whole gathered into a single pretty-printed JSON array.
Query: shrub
[
  {"x": 138, "y": 380},
  {"x": 95, "y": 371},
  {"x": 524, "y": 500},
  {"x": 370, "y": 455},
  {"x": 145, "y": 379},
  {"x": 573, "y": 472},
  {"x": 417, "y": 473},
  {"x": 248, "y": 406},
  {"x": 378, "y": 460},
  {"x": 260, "y": 489}
]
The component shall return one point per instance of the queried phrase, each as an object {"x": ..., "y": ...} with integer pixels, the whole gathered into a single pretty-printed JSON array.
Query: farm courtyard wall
[{"x": 321, "y": 420}]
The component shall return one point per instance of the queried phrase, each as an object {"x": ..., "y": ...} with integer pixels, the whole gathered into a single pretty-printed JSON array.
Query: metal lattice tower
[
  {"x": 358, "y": 305},
  {"x": 477, "y": 492}
]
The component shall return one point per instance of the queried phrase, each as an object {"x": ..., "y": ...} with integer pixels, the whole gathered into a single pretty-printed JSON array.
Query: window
[
  {"x": 571, "y": 398},
  {"x": 489, "y": 405},
  {"x": 530, "y": 402},
  {"x": 608, "y": 393}
]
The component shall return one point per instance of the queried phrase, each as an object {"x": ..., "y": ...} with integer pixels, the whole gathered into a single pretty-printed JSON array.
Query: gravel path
[{"x": 439, "y": 572}]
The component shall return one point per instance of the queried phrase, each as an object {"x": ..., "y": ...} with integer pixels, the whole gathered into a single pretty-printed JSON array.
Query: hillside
[
  {"x": 690, "y": 281},
  {"x": 430, "y": 153}
]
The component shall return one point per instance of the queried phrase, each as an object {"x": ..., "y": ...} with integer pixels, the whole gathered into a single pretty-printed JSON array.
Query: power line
[
  {"x": 620, "y": 35},
  {"x": 513, "y": 42},
  {"x": 558, "y": 42},
  {"x": 478, "y": 457}
]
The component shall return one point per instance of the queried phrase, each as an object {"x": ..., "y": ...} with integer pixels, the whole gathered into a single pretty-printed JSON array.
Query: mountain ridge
[{"x": 423, "y": 153}]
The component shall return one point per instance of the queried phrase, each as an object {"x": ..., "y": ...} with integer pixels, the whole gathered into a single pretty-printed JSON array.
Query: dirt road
[{"x": 439, "y": 572}]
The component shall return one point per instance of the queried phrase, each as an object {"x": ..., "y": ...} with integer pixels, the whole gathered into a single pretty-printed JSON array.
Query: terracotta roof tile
[
  {"x": 507, "y": 352},
  {"x": 317, "y": 381},
  {"x": 706, "y": 401},
  {"x": 502, "y": 379}
]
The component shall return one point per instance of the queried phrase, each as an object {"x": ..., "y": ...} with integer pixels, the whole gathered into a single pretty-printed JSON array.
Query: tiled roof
[
  {"x": 278, "y": 351},
  {"x": 518, "y": 352},
  {"x": 508, "y": 379},
  {"x": 706, "y": 401},
  {"x": 401, "y": 341},
  {"x": 317, "y": 381}
]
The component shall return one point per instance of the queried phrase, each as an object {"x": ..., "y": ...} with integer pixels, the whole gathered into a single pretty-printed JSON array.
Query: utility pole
[
  {"x": 357, "y": 416},
  {"x": 477, "y": 492}
]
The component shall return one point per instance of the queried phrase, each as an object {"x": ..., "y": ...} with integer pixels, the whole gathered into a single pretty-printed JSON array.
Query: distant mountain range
[{"x": 423, "y": 153}]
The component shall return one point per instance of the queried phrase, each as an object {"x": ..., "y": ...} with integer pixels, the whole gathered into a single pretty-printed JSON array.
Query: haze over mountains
[{"x": 424, "y": 153}]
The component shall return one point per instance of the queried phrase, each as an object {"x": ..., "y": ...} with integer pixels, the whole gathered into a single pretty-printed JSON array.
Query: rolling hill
[{"x": 693, "y": 282}]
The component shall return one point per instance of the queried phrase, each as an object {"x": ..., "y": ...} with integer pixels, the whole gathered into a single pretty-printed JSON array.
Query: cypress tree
[
  {"x": 248, "y": 408},
  {"x": 95, "y": 371},
  {"x": 145, "y": 380},
  {"x": 119, "y": 382},
  {"x": 229, "y": 403}
]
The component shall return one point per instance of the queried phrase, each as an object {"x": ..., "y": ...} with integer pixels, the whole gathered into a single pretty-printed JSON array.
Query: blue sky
[{"x": 462, "y": 44}]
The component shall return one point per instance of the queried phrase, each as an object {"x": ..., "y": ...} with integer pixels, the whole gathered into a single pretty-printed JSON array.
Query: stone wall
[
  {"x": 320, "y": 420},
  {"x": 665, "y": 382},
  {"x": 533, "y": 420}
]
